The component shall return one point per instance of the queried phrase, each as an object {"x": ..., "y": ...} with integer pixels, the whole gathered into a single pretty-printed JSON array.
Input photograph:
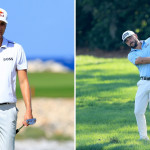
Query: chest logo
[
  {"x": 8, "y": 59},
  {"x": 146, "y": 45}
]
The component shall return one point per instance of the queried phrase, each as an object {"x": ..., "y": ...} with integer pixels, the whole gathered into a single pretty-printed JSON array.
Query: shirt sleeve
[
  {"x": 132, "y": 57},
  {"x": 21, "y": 59}
]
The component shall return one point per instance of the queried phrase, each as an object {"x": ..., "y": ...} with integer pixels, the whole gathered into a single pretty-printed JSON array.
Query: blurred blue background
[{"x": 44, "y": 28}]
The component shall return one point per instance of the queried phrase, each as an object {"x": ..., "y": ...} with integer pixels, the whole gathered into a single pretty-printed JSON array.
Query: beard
[{"x": 133, "y": 44}]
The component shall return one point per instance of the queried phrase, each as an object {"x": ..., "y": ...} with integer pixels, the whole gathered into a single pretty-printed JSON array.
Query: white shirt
[{"x": 12, "y": 58}]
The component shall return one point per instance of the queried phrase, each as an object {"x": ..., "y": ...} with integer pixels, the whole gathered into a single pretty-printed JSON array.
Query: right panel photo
[{"x": 112, "y": 75}]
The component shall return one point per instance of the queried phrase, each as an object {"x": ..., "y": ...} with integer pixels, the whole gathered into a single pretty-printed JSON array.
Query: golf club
[{"x": 29, "y": 122}]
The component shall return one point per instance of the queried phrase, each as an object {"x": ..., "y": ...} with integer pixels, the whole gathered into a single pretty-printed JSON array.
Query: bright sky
[{"x": 45, "y": 28}]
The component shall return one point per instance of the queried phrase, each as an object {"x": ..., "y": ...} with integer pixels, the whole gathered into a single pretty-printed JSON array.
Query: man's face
[
  {"x": 2, "y": 28},
  {"x": 132, "y": 41}
]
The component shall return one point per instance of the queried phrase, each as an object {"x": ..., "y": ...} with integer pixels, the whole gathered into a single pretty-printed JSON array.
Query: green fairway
[
  {"x": 105, "y": 91},
  {"x": 50, "y": 85}
]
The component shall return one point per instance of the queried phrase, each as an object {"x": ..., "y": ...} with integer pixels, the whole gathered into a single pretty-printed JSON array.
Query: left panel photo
[{"x": 37, "y": 75}]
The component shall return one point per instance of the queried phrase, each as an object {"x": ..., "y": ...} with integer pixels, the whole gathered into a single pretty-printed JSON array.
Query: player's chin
[{"x": 132, "y": 44}]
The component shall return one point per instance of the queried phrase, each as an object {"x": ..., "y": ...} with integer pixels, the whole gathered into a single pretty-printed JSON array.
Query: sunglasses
[{"x": 2, "y": 24}]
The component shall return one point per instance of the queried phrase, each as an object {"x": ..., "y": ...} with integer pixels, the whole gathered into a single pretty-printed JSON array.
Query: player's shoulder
[
  {"x": 131, "y": 54},
  {"x": 148, "y": 40},
  {"x": 16, "y": 45},
  {"x": 9, "y": 43},
  {"x": 13, "y": 44}
]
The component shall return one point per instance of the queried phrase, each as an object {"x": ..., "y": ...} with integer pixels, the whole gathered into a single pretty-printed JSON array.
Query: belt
[
  {"x": 4, "y": 103},
  {"x": 145, "y": 78}
]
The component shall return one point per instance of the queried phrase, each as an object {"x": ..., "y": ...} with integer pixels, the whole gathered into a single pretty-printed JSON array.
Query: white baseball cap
[
  {"x": 127, "y": 34},
  {"x": 3, "y": 15}
]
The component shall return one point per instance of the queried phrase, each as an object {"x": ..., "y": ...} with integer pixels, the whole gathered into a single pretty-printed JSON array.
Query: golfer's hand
[{"x": 28, "y": 115}]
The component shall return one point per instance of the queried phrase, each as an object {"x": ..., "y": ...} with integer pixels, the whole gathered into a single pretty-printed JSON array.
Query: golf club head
[{"x": 31, "y": 121}]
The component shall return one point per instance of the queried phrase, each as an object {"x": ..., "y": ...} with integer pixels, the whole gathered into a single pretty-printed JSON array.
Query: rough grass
[
  {"x": 105, "y": 91},
  {"x": 31, "y": 132},
  {"x": 38, "y": 133}
]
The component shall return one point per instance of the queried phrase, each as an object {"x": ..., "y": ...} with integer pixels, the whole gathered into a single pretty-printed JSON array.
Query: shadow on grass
[
  {"x": 89, "y": 64},
  {"x": 85, "y": 88},
  {"x": 92, "y": 147},
  {"x": 120, "y": 114},
  {"x": 103, "y": 74},
  {"x": 102, "y": 147},
  {"x": 115, "y": 144}
]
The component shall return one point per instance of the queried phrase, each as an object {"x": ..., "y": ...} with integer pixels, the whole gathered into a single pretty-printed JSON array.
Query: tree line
[{"x": 100, "y": 23}]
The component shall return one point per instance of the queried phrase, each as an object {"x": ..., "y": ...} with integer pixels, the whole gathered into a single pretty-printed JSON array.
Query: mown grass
[
  {"x": 50, "y": 85},
  {"x": 105, "y": 92}
]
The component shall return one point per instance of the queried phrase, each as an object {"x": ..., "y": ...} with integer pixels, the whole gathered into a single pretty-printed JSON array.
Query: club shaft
[{"x": 19, "y": 129}]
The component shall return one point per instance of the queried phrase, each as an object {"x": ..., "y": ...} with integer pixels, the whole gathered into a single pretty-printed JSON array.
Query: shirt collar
[
  {"x": 143, "y": 43},
  {"x": 4, "y": 43}
]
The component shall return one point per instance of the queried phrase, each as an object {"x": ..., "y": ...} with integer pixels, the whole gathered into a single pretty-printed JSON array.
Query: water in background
[{"x": 67, "y": 62}]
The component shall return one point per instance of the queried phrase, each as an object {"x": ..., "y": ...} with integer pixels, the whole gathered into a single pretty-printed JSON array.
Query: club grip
[{"x": 17, "y": 131}]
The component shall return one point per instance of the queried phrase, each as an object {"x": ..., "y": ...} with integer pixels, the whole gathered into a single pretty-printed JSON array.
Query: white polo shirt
[{"x": 12, "y": 58}]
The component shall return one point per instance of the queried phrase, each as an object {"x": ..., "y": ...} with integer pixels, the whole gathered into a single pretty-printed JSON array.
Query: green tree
[{"x": 100, "y": 23}]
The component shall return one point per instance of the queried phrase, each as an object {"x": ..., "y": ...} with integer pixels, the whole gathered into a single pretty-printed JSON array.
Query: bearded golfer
[
  {"x": 12, "y": 62},
  {"x": 140, "y": 57}
]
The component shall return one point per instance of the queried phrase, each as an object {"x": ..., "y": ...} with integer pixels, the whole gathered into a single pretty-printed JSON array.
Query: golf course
[{"x": 105, "y": 92}]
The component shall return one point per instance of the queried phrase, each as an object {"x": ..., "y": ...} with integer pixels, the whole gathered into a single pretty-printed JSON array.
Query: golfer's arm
[
  {"x": 142, "y": 60},
  {"x": 25, "y": 89}
]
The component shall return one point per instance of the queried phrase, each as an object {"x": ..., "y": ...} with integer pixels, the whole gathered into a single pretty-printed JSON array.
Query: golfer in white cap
[
  {"x": 140, "y": 57},
  {"x": 12, "y": 62}
]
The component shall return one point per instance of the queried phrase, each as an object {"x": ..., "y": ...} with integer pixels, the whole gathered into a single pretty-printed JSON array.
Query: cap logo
[
  {"x": 1, "y": 14},
  {"x": 126, "y": 34}
]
